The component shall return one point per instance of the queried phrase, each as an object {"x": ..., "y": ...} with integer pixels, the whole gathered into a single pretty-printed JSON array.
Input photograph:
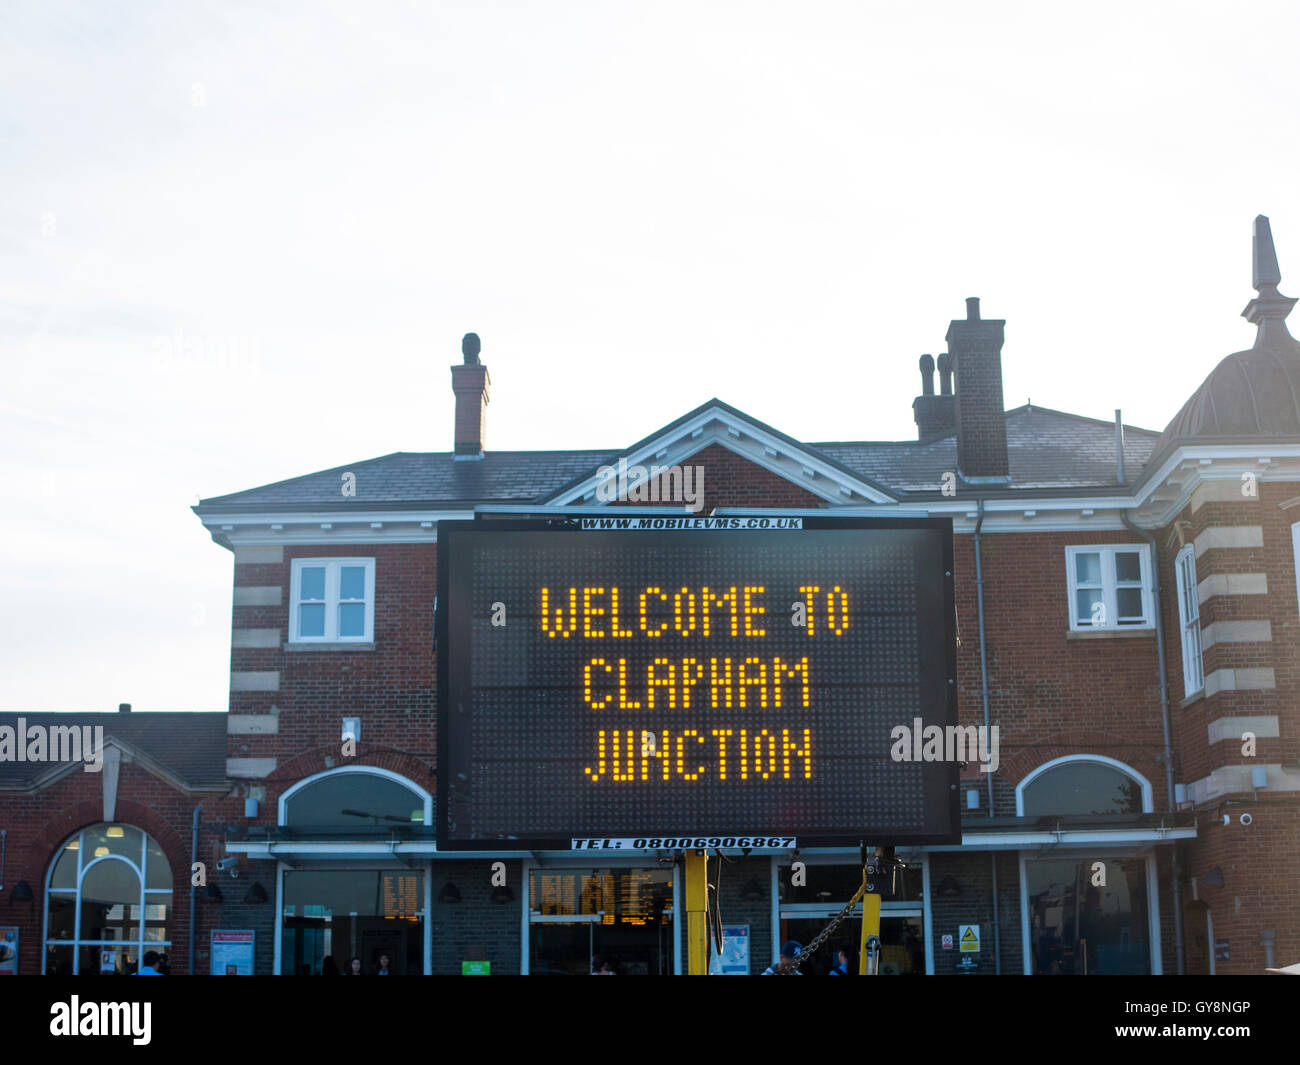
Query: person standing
[
  {"x": 790, "y": 952},
  {"x": 383, "y": 969},
  {"x": 149, "y": 964}
]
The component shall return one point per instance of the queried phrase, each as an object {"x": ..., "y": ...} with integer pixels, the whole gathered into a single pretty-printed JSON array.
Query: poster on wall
[
  {"x": 8, "y": 951},
  {"x": 734, "y": 959},
  {"x": 232, "y": 952}
]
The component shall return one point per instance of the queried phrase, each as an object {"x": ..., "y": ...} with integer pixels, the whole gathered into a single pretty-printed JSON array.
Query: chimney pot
[
  {"x": 972, "y": 308},
  {"x": 927, "y": 375},
  {"x": 945, "y": 374},
  {"x": 123, "y": 708},
  {"x": 470, "y": 346}
]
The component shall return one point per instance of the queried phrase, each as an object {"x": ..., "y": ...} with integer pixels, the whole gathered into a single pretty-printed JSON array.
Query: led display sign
[{"x": 633, "y": 680}]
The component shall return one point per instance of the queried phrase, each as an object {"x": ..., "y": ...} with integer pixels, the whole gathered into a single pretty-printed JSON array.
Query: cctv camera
[{"x": 229, "y": 863}]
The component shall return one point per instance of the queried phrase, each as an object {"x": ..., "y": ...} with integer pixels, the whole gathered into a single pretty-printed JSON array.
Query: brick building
[{"x": 1128, "y": 611}]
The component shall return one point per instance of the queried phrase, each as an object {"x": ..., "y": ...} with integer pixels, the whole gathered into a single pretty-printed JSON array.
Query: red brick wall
[
  {"x": 391, "y": 688},
  {"x": 1260, "y": 862},
  {"x": 733, "y": 481},
  {"x": 1279, "y": 607},
  {"x": 1051, "y": 695}
]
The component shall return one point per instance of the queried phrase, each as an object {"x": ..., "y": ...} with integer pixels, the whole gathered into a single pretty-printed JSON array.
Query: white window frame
[
  {"x": 1148, "y": 793},
  {"x": 1108, "y": 586},
  {"x": 1295, "y": 548},
  {"x": 1189, "y": 618},
  {"x": 425, "y": 796},
  {"x": 332, "y": 567}
]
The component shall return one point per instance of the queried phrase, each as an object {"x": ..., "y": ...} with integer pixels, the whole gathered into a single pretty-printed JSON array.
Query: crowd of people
[
  {"x": 355, "y": 967},
  {"x": 790, "y": 962}
]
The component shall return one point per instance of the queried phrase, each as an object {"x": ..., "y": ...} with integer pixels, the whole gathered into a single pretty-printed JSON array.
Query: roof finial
[
  {"x": 1269, "y": 309},
  {"x": 1264, "y": 266},
  {"x": 470, "y": 346}
]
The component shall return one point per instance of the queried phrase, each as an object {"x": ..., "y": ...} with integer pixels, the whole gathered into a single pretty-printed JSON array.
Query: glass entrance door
[
  {"x": 902, "y": 948},
  {"x": 809, "y": 901},
  {"x": 332, "y": 916}
]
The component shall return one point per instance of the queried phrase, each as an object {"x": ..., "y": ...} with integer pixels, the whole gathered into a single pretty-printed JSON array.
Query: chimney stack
[
  {"x": 935, "y": 415},
  {"x": 975, "y": 344},
  {"x": 470, "y": 382}
]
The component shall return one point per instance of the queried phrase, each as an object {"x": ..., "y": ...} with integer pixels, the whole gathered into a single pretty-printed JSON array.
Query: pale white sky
[{"x": 241, "y": 242}]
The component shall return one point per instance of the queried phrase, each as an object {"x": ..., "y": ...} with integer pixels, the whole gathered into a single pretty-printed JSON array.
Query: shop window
[
  {"x": 108, "y": 900},
  {"x": 332, "y": 600},
  {"x": 1082, "y": 923},
  {"x": 1108, "y": 587},
  {"x": 364, "y": 801},
  {"x": 583, "y": 919},
  {"x": 1083, "y": 787}
]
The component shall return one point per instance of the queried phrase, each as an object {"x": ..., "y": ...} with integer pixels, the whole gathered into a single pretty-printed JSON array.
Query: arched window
[
  {"x": 360, "y": 799},
  {"x": 1085, "y": 785},
  {"x": 108, "y": 900}
]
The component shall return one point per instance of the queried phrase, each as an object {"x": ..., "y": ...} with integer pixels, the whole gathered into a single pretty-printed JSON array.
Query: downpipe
[
  {"x": 194, "y": 892},
  {"x": 1168, "y": 756},
  {"x": 984, "y": 692}
]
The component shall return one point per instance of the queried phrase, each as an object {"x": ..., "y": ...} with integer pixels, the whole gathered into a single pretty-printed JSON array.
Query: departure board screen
[
  {"x": 402, "y": 896},
  {"x": 618, "y": 896},
  {"x": 624, "y": 681}
]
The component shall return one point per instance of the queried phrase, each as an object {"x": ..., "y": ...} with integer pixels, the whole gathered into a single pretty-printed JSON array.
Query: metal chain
[{"x": 821, "y": 937}]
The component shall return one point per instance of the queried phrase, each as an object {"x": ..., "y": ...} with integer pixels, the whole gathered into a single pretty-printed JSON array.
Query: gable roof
[
  {"x": 716, "y": 422},
  {"x": 190, "y": 746}
]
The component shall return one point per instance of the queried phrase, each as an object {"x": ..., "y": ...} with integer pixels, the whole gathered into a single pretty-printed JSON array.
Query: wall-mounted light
[
  {"x": 948, "y": 888},
  {"x": 503, "y": 894},
  {"x": 1214, "y": 878},
  {"x": 449, "y": 893},
  {"x": 22, "y": 892},
  {"x": 212, "y": 893},
  {"x": 256, "y": 894}
]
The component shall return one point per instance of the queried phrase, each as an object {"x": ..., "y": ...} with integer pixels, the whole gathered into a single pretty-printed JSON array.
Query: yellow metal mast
[{"x": 697, "y": 912}]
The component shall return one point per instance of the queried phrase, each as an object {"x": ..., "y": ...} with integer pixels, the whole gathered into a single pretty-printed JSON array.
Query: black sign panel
[{"x": 714, "y": 677}]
